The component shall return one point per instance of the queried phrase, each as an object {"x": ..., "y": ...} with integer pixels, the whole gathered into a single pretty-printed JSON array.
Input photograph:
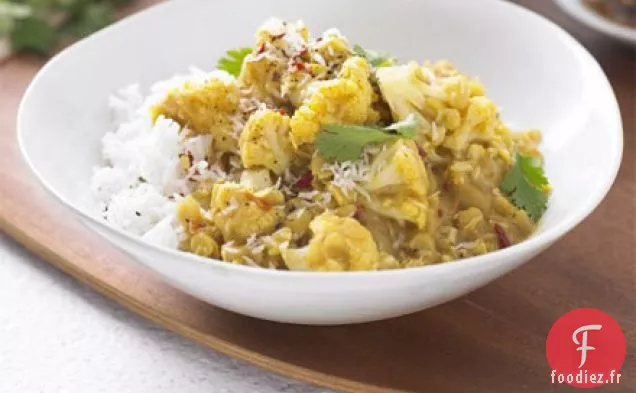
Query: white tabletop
[{"x": 58, "y": 336}]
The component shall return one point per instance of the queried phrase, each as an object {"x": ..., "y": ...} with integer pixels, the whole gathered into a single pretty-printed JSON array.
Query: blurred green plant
[{"x": 41, "y": 25}]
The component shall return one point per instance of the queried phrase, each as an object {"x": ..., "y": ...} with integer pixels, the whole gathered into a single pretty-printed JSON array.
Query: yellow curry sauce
[{"x": 280, "y": 203}]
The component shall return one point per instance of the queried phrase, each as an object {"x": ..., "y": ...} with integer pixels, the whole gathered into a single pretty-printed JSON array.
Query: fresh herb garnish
[
  {"x": 342, "y": 142},
  {"x": 233, "y": 60},
  {"x": 527, "y": 187},
  {"x": 406, "y": 128},
  {"x": 375, "y": 58}
]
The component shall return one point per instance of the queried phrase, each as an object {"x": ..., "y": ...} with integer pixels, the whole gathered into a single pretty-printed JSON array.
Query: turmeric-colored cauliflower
[
  {"x": 398, "y": 168},
  {"x": 240, "y": 212},
  {"x": 455, "y": 109},
  {"x": 265, "y": 142},
  {"x": 333, "y": 47},
  {"x": 481, "y": 125},
  {"x": 320, "y": 60},
  {"x": 398, "y": 183},
  {"x": 277, "y": 42},
  {"x": 208, "y": 107},
  {"x": 346, "y": 99},
  {"x": 401, "y": 208},
  {"x": 256, "y": 179},
  {"x": 338, "y": 244},
  {"x": 405, "y": 88},
  {"x": 297, "y": 78}
]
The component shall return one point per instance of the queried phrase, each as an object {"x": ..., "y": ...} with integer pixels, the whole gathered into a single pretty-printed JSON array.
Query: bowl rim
[
  {"x": 579, "y": 11},
  {"x": 535, "y": 242}
]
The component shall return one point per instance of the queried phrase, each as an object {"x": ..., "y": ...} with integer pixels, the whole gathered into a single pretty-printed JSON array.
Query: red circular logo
[{"x": 586, "y": 348}]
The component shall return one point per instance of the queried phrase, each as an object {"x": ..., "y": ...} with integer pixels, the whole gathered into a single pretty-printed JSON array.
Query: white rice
[{"x": 140, "y": 180}]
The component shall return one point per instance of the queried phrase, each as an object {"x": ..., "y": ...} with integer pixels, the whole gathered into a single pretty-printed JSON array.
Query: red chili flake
[
  {"x": 358, "y": 213},
  {"x": 502, "y": 238},
  {"x": 298, "y": 67},
  {"x": 304, "y": 182},
  {"x": 275, "y": 76},
  {"x": 282, "y": 111},
  {"x": 261, "y": 49}
]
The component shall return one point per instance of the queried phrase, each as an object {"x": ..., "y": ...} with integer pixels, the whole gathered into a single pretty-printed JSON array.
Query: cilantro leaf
[
  {"x": 34, "y": 35},
  {"x": 527, "y": 187},
  {"x": 406, "y": 128},
  {"x": 342, "y": 142},
  {"x": 375, "y": 58},
  {"x": 233, "y": 60}
]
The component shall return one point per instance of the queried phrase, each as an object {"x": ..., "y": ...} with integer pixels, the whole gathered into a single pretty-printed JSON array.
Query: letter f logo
[{"x": 583, "y": 344}]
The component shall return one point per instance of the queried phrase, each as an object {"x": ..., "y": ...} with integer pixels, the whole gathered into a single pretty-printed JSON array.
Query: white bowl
[
  {"x": 544, "y": 79},
  {"x": 587, "y": 16}
]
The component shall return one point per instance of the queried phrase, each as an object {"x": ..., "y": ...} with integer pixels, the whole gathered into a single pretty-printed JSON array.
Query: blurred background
[{"x": 44, "y": 26}]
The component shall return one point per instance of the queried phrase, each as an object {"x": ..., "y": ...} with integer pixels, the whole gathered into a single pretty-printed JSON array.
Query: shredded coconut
[
  {"x": 308, "y": 195},
  {"x": 349, "y": 175}
]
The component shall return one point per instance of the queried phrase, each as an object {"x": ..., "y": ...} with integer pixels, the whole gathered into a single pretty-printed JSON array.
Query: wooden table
[{"x": 492, "y": 340}]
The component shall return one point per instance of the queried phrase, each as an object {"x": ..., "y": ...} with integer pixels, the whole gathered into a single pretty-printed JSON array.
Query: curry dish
[{"x": 323, "y": 156}]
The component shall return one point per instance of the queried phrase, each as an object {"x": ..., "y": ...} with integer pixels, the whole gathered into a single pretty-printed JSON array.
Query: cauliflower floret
[
  {"x": 256, "y": 179},
  {"x": 240, "y": 212},
  {"x": 481, "y": 124},
  {"x": 401, "y": 208},
  {"x": 265, "y": 142},
  {"x": 405, "y": 88},
  {"x": 321, "y": 60},
  {"x": 299, "y": 76},
  {"x": 338, "y": 244},
  {"x": 333, "y": 47},
  {"x": 454, "y": 108},
  {"x": 398, "y": 184},
  {"x": 398, "y": 168},
  {"x": 205, "y": 108},
  {"x": 277, "y": 42},
  {"x": 346, "y": 99}
]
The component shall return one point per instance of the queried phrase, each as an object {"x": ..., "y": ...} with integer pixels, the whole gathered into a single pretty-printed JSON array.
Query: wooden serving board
[{"x": 492, "y": 340}]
